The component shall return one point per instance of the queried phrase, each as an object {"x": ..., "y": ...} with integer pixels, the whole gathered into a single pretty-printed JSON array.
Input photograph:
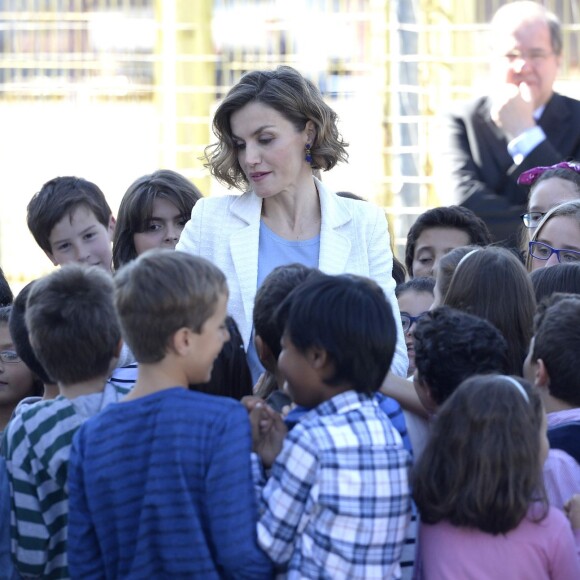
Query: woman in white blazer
[{"x": 273, "y": 130}]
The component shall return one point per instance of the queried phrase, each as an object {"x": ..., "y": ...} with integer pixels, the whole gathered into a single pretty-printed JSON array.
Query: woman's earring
[{"x": 308, "y": 155}]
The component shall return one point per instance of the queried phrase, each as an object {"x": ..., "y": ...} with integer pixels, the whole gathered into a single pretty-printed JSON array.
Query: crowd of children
[
  {"x": 138, "y": 444},
  {"x": 133, "y": 457}
]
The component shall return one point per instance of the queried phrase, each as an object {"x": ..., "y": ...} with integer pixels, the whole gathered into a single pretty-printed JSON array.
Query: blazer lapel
[
  {"x": 335, "y": 244},
  {"x": 244, "y": 248}
]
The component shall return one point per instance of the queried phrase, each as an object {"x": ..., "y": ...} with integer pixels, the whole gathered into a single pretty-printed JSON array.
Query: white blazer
[{"x": 354, "y": 239}]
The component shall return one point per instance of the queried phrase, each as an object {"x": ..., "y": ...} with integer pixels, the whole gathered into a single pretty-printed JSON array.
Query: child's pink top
[{"x": 532, "y": 551}]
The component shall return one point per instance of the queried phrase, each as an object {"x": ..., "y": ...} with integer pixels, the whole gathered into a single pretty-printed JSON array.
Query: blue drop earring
[{"x": 308, "y": 156}]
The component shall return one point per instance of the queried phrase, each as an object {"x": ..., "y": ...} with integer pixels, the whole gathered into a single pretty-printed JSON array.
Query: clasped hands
[{"x": 268, "y": 429}]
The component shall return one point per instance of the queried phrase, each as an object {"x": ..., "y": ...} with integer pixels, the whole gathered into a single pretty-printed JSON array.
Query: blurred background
[{"x": 110, "y": 90}]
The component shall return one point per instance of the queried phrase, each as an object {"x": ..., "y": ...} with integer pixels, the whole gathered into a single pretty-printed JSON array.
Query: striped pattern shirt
[
  {"x": 124, "y": 377},
  {"x": 161, "y": 487},
  {"x": 337, "y": 502},
  {"x": 38, "y": 443}
]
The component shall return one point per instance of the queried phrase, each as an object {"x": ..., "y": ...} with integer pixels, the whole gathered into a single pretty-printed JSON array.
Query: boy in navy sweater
[{"x": 161, "y": 486}]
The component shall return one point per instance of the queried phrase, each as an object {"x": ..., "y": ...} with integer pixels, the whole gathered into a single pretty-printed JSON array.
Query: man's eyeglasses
[
  {"x": 533, "y": 56},
  {"x": 9, "y": 356},
  {"x": 532, "y": 219},
  {"x": 542, "y": 251},
  {"x": 407, "y": 320}
]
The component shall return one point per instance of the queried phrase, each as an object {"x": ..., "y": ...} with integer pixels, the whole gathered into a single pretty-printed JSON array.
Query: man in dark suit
[{"x": 521, "y": 124}]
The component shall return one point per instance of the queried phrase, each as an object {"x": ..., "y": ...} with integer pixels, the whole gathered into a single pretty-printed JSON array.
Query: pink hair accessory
[{"x": 530, "y": 176}]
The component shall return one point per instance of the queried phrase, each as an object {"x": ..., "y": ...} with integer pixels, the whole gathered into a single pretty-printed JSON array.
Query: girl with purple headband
[{"x": 549, "y": 187}]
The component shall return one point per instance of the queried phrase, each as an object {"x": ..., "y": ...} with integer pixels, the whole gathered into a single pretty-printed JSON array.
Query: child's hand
[
  {"x": 250, "y": 401},
  {"x": 572, "y": 511},
  {"x": 268, "y": 432}
]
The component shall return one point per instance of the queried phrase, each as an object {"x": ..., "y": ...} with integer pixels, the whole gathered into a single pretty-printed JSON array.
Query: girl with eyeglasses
[
  {"x": 415, "y": 298},
  {"x": 556, "y": 240},
  {"x": 549, "y": 187}
]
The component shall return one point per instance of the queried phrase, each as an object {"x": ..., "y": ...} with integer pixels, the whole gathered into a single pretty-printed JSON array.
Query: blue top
[
  {"x": 161, "y": 487},
  {"x": 274, "y": 251},
  {"x": 566, "y": 436}
]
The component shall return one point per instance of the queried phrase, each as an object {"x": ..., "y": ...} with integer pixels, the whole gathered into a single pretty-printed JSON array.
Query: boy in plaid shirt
[{"x": 337, "y": 500}]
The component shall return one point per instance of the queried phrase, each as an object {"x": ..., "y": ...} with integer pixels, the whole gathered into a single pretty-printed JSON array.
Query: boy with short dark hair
[
  {"x": 76, "y": 336},
  {"x": 337, "y": 502},
  {"x": 175, "y": 498},
  {"x": 71, "y": 221},
  {"x": 276, "y": 286},
  {"x": 551, "y": 365},
  {"x": 268, "y": 330},
  {"x": 553, "y": 359}
]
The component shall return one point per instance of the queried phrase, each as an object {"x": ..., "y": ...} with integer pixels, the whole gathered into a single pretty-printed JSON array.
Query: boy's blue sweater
[{"x": 161, "y": 487}]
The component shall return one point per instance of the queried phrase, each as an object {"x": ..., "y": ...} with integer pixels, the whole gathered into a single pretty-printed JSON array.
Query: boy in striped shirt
[{"x": 76, "y": 336}]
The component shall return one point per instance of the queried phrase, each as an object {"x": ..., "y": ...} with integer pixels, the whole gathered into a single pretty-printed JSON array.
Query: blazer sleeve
[
  {"x": 190, "y": 239},
  {"x": 381, "y": 270},
  {"x": 543, "y": 154},
  {"x": 467, "y": 186}
]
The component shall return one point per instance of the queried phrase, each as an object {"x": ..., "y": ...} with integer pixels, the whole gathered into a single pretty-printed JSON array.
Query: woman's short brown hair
[{"x": 293, "y": 96}]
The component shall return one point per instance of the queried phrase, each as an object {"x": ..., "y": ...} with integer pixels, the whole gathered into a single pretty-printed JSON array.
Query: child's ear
[
  {"x": 51, "y": 258},
  {"x": 181, "y": 341},
  {"x": 321, "y": 362},
  {"x": 264, "y": 353},
  {"x": 542, "y": 378},
  {"x": 318, "y": 358},
  {"x": 112, "y": 224}
]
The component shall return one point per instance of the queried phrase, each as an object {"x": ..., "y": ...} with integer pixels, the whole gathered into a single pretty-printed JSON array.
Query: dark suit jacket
[{"x": 482, "y": 172}]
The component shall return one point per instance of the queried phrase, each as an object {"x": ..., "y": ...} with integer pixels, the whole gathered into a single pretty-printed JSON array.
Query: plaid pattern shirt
[{"x": 337, "y": 502}]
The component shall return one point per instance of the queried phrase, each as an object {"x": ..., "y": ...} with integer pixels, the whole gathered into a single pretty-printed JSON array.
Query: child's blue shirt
[{"x": 161, "y": 487}]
